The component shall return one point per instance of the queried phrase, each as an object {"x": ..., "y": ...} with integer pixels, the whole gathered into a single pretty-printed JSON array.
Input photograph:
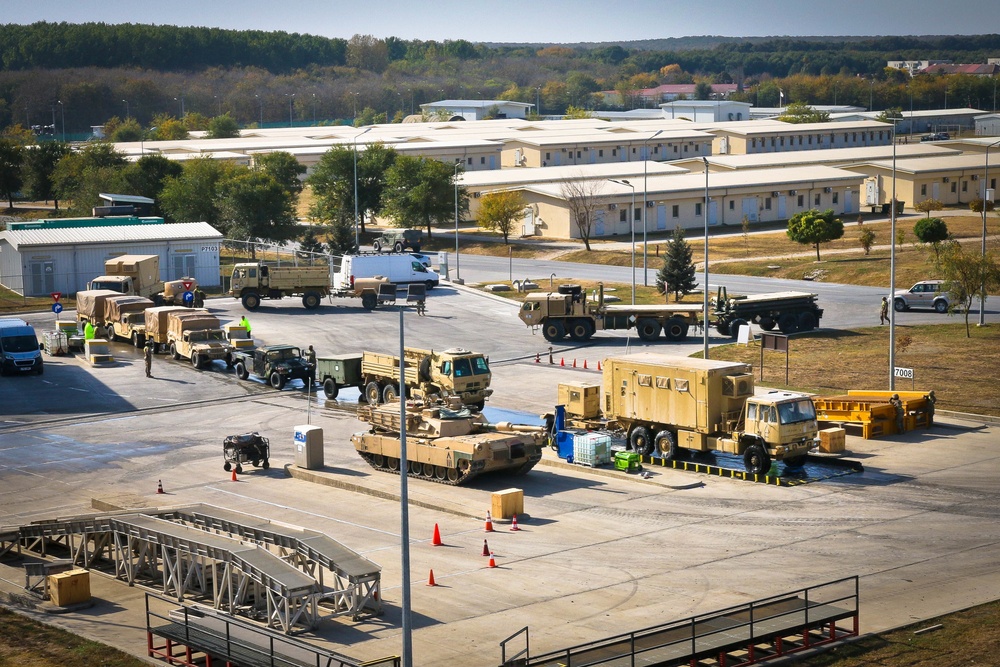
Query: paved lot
[{"x": 600, "y": 554}]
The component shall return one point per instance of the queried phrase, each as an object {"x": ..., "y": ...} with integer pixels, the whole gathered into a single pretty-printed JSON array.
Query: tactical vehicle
[
  {"x": 276, "y": 364},
  {"x": 398, "y": 240}
]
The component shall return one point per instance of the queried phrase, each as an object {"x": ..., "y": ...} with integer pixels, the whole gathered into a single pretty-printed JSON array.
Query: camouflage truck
[
  {"x": 398, "y": 240},
  {"x": 90, "y": 307},
  {"x": 672, "y": 406},
  {"x": 197, "y": 336},
  {"x": 157, "y": 321},
  {"x": 275, "y": 364},
  {"x": 453, "y": 372},
  {"x": 139, "y": 275},
  {"x": 125, "y": 317}
]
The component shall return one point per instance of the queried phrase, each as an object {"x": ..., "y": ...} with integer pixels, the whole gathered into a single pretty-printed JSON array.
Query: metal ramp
[
  {"x": 741, "y": 635},
  {"x": 244, "y": 564}
]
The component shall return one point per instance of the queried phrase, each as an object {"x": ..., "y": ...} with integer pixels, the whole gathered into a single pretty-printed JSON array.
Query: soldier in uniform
[
  {"x": 147, "y": 358},
  {"x": 898, "y": 404}
]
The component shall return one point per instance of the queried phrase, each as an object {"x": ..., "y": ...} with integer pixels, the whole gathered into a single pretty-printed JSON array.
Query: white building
[
  {"x": 62, "y": 255},
  {"x": 477, "y": 109},
  {"x": 707, "y": 111}
]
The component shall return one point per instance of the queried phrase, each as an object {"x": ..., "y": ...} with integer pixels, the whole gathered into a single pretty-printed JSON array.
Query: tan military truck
[
  {"x": 90, "y": 307},
  {"x": 252, "y": 282},
  {"x": 125, "y": 317},
  {"x": 199, "y": 337},
  {"x": 671, "y": 406},
  {"x": 157, "y": 323},
  {"x": 453, "y": 372},
  {"x": 139, "y": 275},
  {"x": 569, "y": 312}
]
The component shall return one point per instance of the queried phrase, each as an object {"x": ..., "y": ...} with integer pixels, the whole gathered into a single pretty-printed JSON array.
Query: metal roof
[
  {"x": 535, "y": 175},
  {"x": 120, "y": 234}
]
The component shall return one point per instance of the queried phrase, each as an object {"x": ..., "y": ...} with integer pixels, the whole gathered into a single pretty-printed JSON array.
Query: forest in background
[{"x": 74, "y": 76}]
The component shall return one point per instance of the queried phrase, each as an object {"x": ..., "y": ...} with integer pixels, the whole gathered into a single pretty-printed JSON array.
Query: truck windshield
[
  {"x": 462, "y": 368},
  {"x": 19, "y": 343},
  {"x": 480, "y": 366},
  {"x": 796, "y": 411}
]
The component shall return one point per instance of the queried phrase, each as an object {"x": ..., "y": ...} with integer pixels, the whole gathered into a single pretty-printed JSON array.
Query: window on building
[
  {"x": 816, "y": 200},
  {"x": 675, "y": 150},
  {"x": 623, "y": 215},
  {"x": 697, "y": 208},
  {"x": 732, "y": 205},
  {"x": 801, "y": 201},
  {"x": 600, "y": 152},
  {"x": 675, "y": 211},
  {"x": 685, "y": 148},
  {"x": 614, "y": 152},
  {"x": 836, "y": 197},
  {"x": 965, "y": 186},
  {"x": 636, "y": 214},
  {"x": 954, "y": 187},
  {"x": 470, "y": 160},
  {"x": 548, "y": 156},
  {"x": 767, "y": 203},
  {"x": 578, "y": 154},
  {"x": 781, "y": 141},
  {"x": 772, "y": 142},
  {"x": 482, "y": 160},
  {"x": 810, "y": 140}
]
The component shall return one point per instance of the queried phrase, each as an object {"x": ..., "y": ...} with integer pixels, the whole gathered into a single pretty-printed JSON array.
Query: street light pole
[
  {"x": 458, "y": 266},
  {"x": 357, "y": 242},
  {"x": 704, "y": 287},
  {"x": 62, "y": 112},
  {"x": 291, "y": 98},
  {"x": 128, "y": 112},
  {"x": 986, "y": 191},
  {"x": 631, "y": 219},
  {"x": 892, "y": 268},
  {"x": 645, "y": 170}
]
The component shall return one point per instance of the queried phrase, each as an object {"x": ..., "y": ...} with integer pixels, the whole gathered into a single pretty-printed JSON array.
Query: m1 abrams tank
[{"x": 446, "y": 443}]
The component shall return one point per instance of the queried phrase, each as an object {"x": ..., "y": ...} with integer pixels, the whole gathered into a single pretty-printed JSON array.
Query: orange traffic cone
[
  {"x": 159, "y": 486},
  {"x": 574, "y": 363},
  {"x": 436, "y": 540},
  {"x": 234, "y": 475},
  {"x": 430, "y": 579},
  {"x": 513, "y": 523},
  {"x": 584, "y": 364},
  {"x": 598, "y": 365},
  {"x": 562, "y": 361},
  {"x": 486, "y": 548},
  {"x": 489, "y": 523},
  {"x": 493, "y": 561},
  {"x": 538, "y": 358}
]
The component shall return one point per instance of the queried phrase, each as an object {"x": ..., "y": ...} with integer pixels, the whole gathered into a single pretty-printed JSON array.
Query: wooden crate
[
  {"x": 507, "y": 503},
  {"x": 72, "y": 587},
  {"x": 832, "y": 440}
]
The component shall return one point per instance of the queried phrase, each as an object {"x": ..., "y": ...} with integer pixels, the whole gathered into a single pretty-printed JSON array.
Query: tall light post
[
  {"x": 216, "y": 97},
  {"x": 645, "y": 170},
  {"x": 62, "y": 112},
  {"x": 892, "y": 268},
  {"x": 871, "y": 95},
  {"x": 291, "y": 99},
  {"x": 704, "y": 289},
  {"x": 314, "y": 108},
  {"x": 458, "y": 266},
  {"x": 128, "y": 112},
  {"x": 181, "y": 100},
  {"x": 261, "y": 103},
  {"x": 357, "y": 241},
  {"x": 986, "y": 193},
  {"x": 538, "y": 98},
  {"x": 631, "y": 224}
]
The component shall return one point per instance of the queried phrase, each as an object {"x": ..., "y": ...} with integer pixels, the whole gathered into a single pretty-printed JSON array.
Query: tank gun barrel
[{"x": 508, "y": 427}]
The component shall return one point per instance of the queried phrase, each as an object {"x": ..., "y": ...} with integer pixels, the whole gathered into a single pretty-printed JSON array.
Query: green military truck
[
  {"x": 276, "y": 364},
  {"x": 788, "y": 311},
  {"x": 398, "y": 240}
]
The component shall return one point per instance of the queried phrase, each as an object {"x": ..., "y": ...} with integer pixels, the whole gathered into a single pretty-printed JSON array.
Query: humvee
[
  {"x": 397, "y": 240},
  {"x": 277, "y": 364}
]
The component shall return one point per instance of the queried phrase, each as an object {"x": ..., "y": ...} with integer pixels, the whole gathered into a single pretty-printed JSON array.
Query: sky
[{"x": 555, "y": 21}]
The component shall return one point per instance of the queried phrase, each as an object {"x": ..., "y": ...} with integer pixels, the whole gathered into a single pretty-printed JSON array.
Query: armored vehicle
[
  {"x": 126, "y": 318},
  {"x": 398, "y": 239},
  {"x": 445, "y": 442},
  {"x": 277, "y": 364},
  {"x": 198, "y": 336}
]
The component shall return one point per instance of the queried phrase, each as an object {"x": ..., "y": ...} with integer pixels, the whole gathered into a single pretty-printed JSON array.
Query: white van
[
  {"x": 19, "y": 349},
  {"x": 399, "y": 268}
]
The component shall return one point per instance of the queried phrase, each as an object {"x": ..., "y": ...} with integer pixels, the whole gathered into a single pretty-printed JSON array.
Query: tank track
[{"x": 462, "y": 479}]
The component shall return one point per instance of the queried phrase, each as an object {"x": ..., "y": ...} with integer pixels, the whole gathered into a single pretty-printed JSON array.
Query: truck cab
[
  {"x": 785, "y": 422},
  {"x": 467, "y": 374}
]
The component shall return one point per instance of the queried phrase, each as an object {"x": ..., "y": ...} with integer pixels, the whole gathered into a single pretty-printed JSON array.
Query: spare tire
[{"x": 570, "y": 289}]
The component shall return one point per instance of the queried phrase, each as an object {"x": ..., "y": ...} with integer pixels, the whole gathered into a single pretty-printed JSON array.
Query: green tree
[
  {"x": 932, "y": 231},
  {"x": 332, "y": 182},
  {"x": 340, "y": 233},
  {"x": 256, "y": 207},
  {"x": 128, "y": 130},
  {"x": 223, "y": 127},
  {"x": 309, "y": 245},
  {"x": 369, "y": 116},
  {"x": 928, "y": 206},
  {"x": 977, "y": 205},
  {"x": 11, "y": 169},
  {"x": 285, "y": 169},
  {"x": 40, "y": 162},
  {"x": 798, "y": 112},
  {"x": 581, "y": 197},
  {"x": 703, "y": 90},
  {"x": 677, "y": 275},
  {"x": 193, "y": 196},
  {"x": 165, "y": 127},
  {"x": 970, "y": 275},
  {"x": 890, "y": 114},
  {"x": 867, "y": 239},
  {"x": 574, "y": 113},
  {"x": 812, "y": 228},
  {"x": 498, "y": 211},
  {"x": 419, "y": 192},
  {"x": 147, "y": 176},
  {"x": 81, "y": 176}
]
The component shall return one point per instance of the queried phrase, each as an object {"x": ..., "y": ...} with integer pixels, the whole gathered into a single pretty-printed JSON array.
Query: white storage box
[{"x": 592, "y": 449}]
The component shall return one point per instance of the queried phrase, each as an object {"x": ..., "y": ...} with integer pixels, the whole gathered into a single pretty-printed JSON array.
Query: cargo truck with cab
[
  {"x": 90, "y": 307},
  {"x": 125, "y": 318},
  {"x": 275, "y": 364},
  {"x": 568, "y": 312},
  {"x": 157, "y": 321},
  {"x": 197, "y": 336},
  {"x": 139, "y": 275},
  {"x": 19, "y": 349},
  {"x": 253, "y": 281},
  {"x": 670, "y": 407},
  {"x": 788, "y": 311}
]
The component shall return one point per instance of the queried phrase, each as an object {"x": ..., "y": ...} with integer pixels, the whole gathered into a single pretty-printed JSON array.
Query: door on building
[
  {"x": 782, "y": 207},
  {"x": 183, "y": 266},
  {"x": 599, "y": 223},
  {"x": 848, "y": 201},
  {"x": 43, "y": 278},
  {"x": 493, "y": 162},
  {"x": 750, "y": 208},
  {"x": 713, "y": 212},
  {"x": 528, "y": 224},
  {"x": 661, "y": 217},
  {"x": 936, "y": 191},
  {"x": 593, "y": 156}
]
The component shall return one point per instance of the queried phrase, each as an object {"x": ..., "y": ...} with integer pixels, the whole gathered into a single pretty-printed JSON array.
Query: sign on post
[
  {"x": 906, "y": 373},
  {"x": 56, "y": 296},
  {"x": 769, "y": 341},
  {"x": 57, "y": 308},
  {"x": 187, "y": 285}
]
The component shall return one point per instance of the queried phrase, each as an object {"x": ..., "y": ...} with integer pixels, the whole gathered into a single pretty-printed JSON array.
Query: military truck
[
  {"x": 139, "y": 275},
  {"x": 197, "y": 336},
  {"x": 252, "y": 282},
  {"x": 569, "y": 312},
  {"x": 276, "y": 364},
  {"x": 90, "y": 307},
  {"x": 788, "y": 311},
  {"x": 672, "y": 406},
  {"x": 157, "y": 324},
  {"x": 453, "y": 372},
  {"x": 397, "y": 240},
  {"x": 125, "y": 317}
]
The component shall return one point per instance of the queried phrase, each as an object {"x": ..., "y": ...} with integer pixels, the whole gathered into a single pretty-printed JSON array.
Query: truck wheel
[
  {"x": 415, "y": 247},
  {"x": 136, "y": 342},
  {"x": 330, "y": 388},
  {"x": 639, "y": 440},
  {"x": 251, "y": 301},
  {"x": 311, "y": 300},
  {"x": 430, "y": 284},
  {"x": 788, "y": 323},
  {"x": 478, "y": 405},
  {"x": 722, "y": 327},
  {"x": 766, "y": 323},
  {"x": 807, "y": 321},
  {"x": 376, "y": 246},
  {"x": 553, "y": 330},
  {"x": 648, "y": 329},
  {"x": 579, "y": 330},
  {"x": 241, "y": 370},
  {"x": 756, "y": 460},
  {"x": 363, "y": 398},
  {"x": 277, "y": 380},
  {"x": 666, "y": 446},
  {"x": 369, "y": 301},
  {"x": 397, "y": 247},
  {"x": 373, "y": 393},
  {"x": 110, "y": 331},
  {"x": 173, "y": 352},
  {"x": 734, "y": 327},
  {"x": 899, "y": 305},
  {"x": 229, "y": 360},
  {"x": 675, "y": 329},
  {"x": 389, "y": 393},
  {"x": 795, "y": 461},
  {"x": 196, "y": 360}
]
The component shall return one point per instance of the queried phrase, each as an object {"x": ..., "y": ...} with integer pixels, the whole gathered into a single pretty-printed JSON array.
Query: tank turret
[{"x": 446, "y": 442}]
